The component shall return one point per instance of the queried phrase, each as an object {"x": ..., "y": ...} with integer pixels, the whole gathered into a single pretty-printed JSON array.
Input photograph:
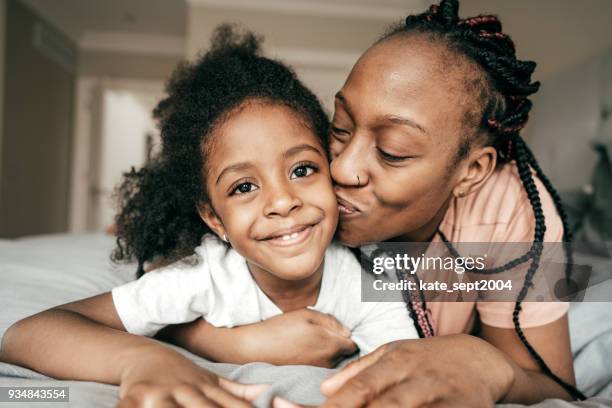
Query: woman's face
[{"x": 396, "y": 131}]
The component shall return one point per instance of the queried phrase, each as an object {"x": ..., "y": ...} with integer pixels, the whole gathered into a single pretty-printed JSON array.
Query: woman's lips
[{"x": 346, "y": 208}]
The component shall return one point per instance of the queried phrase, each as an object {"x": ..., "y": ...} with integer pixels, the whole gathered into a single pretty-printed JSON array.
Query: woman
[
  {"x": 433, "y": 152},
  {"x": 426, "y": 147}
]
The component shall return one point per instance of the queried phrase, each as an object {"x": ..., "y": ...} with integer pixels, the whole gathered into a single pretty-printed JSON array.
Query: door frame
[{"x": 87, "y": 135}]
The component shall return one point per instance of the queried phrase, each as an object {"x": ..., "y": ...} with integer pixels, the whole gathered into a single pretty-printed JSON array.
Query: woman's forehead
[{"x": 410, "y": 73}]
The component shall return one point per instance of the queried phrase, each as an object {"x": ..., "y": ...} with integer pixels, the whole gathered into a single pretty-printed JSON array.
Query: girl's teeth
[{"x": 289, "y": 236}]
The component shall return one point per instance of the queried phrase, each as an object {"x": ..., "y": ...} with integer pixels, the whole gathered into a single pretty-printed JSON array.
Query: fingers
[
  {"x": 279, "y": 402},
  {"x": 247, "y": 392},
  {"x": 151, "y": 401},
  {"x": 345, "y": 346},
  {"x": 333, "y": 384},
  {"x": 411, "y": 393},
  {"x": 367, "y": 385},
  {"x": 128, "y": 402},
  {"x": 328, "y": 321},
  {"x": 190, "y": 397},
  {"x": 222, "y": 398},
  {"x": 202, "y": 395}
]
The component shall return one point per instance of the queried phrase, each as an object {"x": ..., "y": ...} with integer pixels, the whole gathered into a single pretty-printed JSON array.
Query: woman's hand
[
  {"x": 458, "y": 371},
  {"x": 299, "y": 337},
  {"x": 167, "y": 379}
]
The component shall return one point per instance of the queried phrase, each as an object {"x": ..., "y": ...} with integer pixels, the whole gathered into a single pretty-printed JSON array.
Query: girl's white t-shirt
[{"x": 220, "y": 289}]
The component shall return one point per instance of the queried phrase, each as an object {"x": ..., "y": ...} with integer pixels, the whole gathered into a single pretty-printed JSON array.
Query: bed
[{"x": 40, "y": 272}]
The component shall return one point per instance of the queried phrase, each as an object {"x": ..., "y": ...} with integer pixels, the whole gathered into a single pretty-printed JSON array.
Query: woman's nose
[
  {"x": 281, "y": 201},
  {"x": 348, "y": 166}
]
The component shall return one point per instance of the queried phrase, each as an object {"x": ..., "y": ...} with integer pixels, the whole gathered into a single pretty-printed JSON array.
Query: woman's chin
[{"x": 350, "y": 236}]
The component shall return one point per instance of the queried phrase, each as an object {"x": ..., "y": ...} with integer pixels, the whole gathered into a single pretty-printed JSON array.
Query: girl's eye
[
  {"x": 389, "y": 157},
  {"x": 303, "y": 170},
  {"x": 243, "y": 188}
]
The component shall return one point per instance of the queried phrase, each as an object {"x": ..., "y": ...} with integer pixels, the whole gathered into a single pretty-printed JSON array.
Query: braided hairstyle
[
  {"x": 158, "y": 218},
  {"x": 502, "y": 111}
]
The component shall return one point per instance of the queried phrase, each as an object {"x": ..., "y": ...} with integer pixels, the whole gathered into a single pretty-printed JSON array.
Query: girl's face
[
  {"x": 395, "y": 135},
  {"x": 269, "y": 184}
]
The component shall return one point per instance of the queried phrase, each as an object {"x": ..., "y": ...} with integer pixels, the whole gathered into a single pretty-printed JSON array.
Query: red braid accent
[
  {"x": 422, "y": 315},
  {"x": 433, "y": 10},
  {"x": 494, "y": 124},
  {"x": 508, "y": 129},
  {"x": 479, "y": 20},
  {"x": 488, "y": 34}
]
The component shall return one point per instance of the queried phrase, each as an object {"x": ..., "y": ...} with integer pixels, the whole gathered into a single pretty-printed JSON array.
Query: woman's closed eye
[
  {"x": 390, "y": 157},
  {"x": 340, "y": 133}
]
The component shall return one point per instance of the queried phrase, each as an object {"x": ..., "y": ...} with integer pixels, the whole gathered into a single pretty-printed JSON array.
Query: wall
[
  {"x": 566, "y": 118},
  {"x": 36, "y": 148},
  {"x": 2, "y": 59},
  {"x": 557, "y": 34},
  {"x": 321, "y": 48},
  {"x": 122, "y": 65}
]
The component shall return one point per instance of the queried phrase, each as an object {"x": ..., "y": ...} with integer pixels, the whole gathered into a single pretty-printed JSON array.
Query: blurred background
[{"x": 79, "y": 78}]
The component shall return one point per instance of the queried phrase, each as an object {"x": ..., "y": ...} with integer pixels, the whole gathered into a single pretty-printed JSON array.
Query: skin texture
[
  {"x": 278, "y": 185},
  {"x": 414, "y": 112},
  {"x": 406, "y": 97},
  {"x": 402, "y": 76},
  {"x": 268, "y": 172},
  {"x": 97, "y": 348}
]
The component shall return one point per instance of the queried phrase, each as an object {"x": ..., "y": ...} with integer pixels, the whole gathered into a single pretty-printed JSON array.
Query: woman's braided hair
[{"x": 504, "y": 112}]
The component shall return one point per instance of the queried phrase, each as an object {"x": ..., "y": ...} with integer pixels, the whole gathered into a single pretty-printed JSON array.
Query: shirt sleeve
[
  {"x": 177, "y": 294},
  {"x": 520, "y": 229},
  {"x": 382, "y": 323}
]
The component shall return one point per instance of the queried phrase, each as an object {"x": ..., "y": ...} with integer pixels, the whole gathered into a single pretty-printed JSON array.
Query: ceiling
[
  {"x": 76, "y": 17},
  {"x": 555, "y": 33}
]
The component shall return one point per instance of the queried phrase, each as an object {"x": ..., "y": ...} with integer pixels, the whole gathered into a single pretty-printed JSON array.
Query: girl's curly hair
[{"x": 158, "y": 218}]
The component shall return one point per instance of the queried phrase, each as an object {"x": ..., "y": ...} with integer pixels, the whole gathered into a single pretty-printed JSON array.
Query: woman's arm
[
  {"x": 308, "y": 337},
  {"x": 85, "y": 340},
  {"x": 552, "y": 343},
  {"x": 456, "y": 370}
]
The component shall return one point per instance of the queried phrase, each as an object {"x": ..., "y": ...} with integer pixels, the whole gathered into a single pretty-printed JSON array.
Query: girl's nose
[
  {"x": 281, "y": 201},
  {"x": 349, "y": 167}
]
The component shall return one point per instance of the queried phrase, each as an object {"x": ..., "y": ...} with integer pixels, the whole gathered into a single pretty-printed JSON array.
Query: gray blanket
[{"x": 38, "y": 273}]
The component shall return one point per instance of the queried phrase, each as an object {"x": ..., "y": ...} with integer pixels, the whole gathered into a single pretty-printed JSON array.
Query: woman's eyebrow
[
  {"x": 234, "y": 168},
  {"x": 400, "y": 120},
  {"x": 340, "y": 97}
]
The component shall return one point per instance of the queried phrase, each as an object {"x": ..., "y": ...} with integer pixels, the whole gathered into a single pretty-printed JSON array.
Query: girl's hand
[
  {"x": 299, "y": 337},
  {"x": 171, "y": 380},
  {"x": 457, "y": 370},
  {"x": 303, "y": 336}
]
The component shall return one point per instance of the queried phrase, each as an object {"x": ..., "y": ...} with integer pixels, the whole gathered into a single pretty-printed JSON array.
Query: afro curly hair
[{"x": 158, "y": 218}]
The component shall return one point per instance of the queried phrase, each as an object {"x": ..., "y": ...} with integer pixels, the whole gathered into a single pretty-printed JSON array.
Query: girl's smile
[
  {"x": 292, "y": 236},
  {"x": 271, "y": 193}
]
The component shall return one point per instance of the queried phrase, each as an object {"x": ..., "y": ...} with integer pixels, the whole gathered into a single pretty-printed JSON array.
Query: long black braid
[{"x": 504, "y": 111}]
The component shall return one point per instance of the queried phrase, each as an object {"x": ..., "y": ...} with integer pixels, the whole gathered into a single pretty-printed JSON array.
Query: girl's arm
[
  {"x": 308, "y": 337},
  {"x": 85, "y": 340}
]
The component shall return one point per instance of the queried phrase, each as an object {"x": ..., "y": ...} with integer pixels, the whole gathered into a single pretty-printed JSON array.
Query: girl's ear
[
  {"x": 480, "y": 166},
  {"x": 210, "y": 217}
]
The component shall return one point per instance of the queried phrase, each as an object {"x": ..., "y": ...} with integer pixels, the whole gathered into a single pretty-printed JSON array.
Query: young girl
[{"x": 242, "y": 185}]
